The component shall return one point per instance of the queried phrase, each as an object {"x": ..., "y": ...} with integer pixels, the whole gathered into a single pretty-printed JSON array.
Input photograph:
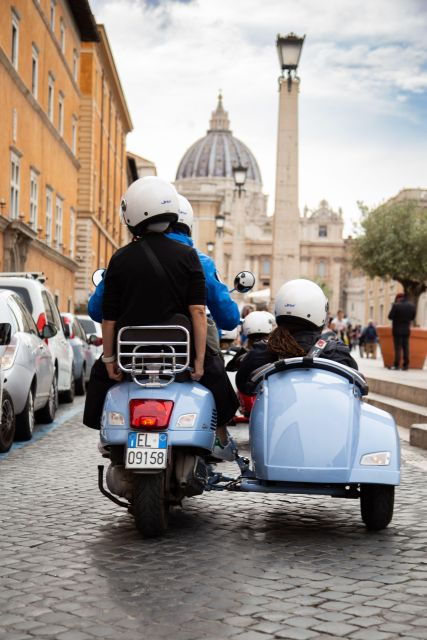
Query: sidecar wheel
[
  {"x": 150, "y": 508},
  {"x": 376, "y": 505}
]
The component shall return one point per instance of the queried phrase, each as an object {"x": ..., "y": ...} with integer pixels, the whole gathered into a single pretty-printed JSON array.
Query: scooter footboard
[{"x": 192, "y": 421}]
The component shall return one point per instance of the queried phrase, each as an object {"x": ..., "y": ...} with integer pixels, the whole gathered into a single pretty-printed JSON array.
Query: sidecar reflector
[{"x": 150, "y": 414}]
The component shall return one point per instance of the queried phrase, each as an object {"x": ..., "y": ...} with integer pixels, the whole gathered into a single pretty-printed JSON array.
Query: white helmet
[
  {"x": 229, "y": 335},
  {"x": 185, "y": 214},
  {"x": 149, "y": 199},
  {"x": 302, "y": 299},
  {"x": 258, "y": 322}
]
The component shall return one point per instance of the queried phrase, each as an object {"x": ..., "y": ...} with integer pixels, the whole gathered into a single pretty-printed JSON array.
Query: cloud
[{"x": 362, "y": 101}]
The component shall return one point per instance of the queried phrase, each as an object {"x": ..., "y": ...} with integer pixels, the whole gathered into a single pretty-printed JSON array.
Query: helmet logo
[
  {"x": 288, "y": 304},
  {"x": 166, "y": 201},
  {"x": 123, "y": 205}
]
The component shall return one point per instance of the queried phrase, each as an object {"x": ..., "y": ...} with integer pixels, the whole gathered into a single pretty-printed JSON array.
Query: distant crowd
[{"x": 354, "y": 336}]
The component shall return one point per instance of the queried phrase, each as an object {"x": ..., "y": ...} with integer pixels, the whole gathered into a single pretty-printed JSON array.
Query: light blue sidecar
[{"x": 310, "y": 432}]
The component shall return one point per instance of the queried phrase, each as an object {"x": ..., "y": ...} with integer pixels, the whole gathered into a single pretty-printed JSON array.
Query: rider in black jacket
[{"x": 301, "y": 310}]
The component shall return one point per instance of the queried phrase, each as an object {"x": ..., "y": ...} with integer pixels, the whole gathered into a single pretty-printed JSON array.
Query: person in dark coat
[
  {"x": 402, "y": 313},
  {"x": 301, "y": 311}
]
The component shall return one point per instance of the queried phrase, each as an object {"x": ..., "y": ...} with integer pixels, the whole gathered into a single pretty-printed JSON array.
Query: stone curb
[{"x": 418, "y": 435}]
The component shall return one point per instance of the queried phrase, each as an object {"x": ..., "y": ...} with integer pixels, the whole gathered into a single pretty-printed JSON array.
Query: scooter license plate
[{"x": 147, "y": 451}]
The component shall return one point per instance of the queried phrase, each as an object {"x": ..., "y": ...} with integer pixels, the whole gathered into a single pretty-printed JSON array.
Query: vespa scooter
[{"x": 158, "y": 426}]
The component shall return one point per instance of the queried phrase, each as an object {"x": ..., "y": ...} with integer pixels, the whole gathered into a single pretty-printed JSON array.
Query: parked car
[
  {"x": 92, "y": 328},
  {"x": 83, "y": 351},
  {"x": 39, "y": 301},
  {"x": 27, "y": 373}
]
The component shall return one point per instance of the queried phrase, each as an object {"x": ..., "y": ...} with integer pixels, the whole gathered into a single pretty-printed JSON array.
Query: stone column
[{"x": 286, "y": 223}]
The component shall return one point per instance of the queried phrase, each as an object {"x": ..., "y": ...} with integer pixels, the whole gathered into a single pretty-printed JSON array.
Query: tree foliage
[{"x": 393, "y": 244}]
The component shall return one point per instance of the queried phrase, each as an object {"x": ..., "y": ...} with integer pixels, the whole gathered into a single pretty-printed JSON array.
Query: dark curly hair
[{"x": 282, "y": 343}]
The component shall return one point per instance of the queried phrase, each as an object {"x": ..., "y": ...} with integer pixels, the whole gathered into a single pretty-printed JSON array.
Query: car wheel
[
  {"x": 69, "y": 395},
  {"x": 376, "y": 505},
  {"x": 47, "y": 413},
  {"x": 81, "y": 384},
  {"x": 25, "y": 420},
  {"x": 7, "y": 424}
]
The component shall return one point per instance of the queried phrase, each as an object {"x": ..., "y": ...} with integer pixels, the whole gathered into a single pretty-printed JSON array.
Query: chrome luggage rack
[{"x": 153, "y": 355}]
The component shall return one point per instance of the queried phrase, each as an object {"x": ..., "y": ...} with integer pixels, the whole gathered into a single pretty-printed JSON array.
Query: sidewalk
[{"x": 375, "y": 369}]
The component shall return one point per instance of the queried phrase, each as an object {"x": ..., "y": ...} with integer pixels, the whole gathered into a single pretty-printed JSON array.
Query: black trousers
[
  {"x": 215, "y": 379},
  {"x": 401, "y": 343}
]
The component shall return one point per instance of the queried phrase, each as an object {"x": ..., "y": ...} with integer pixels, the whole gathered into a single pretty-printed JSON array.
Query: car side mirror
[
  {"x": 67, "y": 332},
  {"x": 49, "y": 330},
  {"x": 97, "y": 276},
  {"x": 244, "y": 281},
  {"x": 94, "y": 340},
  {"x": 5, "y": 333}
]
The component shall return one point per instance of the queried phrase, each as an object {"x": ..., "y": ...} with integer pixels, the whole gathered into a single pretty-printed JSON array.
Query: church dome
[{"x": 215, "y": 155}]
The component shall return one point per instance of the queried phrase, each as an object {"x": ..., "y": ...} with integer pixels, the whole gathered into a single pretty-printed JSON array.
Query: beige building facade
[
  {"x": 40, "y": 48},
  {"x": 205, "y": 177},
  {"x": 104, "y": 124},
  {"x": 63, "y": 162}
]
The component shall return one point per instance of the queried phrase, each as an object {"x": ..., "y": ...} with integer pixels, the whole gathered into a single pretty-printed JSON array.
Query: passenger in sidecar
[{"x": 301, "y": 311}]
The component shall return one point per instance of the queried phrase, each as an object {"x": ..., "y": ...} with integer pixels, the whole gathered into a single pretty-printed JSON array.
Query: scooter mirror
[
  {"x": 244, "y": 281},
  {"x": 98, "y": 275}
]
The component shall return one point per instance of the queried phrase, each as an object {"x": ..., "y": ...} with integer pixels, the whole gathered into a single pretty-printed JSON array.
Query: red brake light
[
  {"x": 68, "y": 322},
  {"x": 150, "y": 414},
  {"x": 41, "y": 321}
]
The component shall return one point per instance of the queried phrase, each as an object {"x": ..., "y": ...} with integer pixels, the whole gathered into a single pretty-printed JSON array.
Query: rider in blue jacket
[{"x": 223, "y": 309}]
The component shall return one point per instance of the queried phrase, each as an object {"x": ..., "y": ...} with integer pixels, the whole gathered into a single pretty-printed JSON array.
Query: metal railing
[{"x": 153, "y": 355}]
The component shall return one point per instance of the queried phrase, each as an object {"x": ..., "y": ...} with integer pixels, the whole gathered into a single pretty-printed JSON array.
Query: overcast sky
[{"x": 363, "y": 69}]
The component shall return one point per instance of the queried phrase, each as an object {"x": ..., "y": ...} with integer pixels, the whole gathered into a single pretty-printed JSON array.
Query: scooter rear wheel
[
  {"x": 150, "y": 508},
  {"x": 376, "y": 505}
]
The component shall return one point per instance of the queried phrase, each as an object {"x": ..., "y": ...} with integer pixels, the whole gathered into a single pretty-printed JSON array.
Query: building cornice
[
  {"x": 4, "y": 60},
  {"x": 54, "y": 255}
]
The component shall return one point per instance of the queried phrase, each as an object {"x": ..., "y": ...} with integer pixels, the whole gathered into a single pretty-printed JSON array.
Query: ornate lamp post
[
  {"x": 238, "y": 215},
  {"x": 210, "y": 246},
  {"x": 219, "y": 245},
  {"x": 286, "y": 223}
]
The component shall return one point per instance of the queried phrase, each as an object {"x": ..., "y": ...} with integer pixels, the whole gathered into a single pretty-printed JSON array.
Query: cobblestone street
[{"x": 253, "y": 567}]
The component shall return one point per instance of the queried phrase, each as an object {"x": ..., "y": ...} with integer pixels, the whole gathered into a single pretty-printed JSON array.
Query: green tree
[{"x": 393, "y": 244}]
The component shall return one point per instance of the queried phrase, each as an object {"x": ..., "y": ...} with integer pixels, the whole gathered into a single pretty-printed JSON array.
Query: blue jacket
[{"x": 223, "y": 309}]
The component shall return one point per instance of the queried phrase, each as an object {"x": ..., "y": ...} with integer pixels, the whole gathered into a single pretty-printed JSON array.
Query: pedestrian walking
[
  {"x": 370, "y": 340},
  {"x": 402, "y": 313}
]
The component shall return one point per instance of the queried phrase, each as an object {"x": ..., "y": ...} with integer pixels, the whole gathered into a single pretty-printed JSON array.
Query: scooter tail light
[{"x": 150, "y": 414}]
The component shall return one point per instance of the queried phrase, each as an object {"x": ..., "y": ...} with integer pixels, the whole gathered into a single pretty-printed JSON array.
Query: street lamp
[
  {"x": 286, "y": 222},
  {"x": 239, "y": 175},
  {"x": 219, "y": 223},
  {"x": 210, "y": 246},
  {"x": 289, "y": 50}
]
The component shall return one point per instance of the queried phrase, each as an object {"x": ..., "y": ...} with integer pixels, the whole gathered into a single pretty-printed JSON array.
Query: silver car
[
  {"x": 26, "y": 369},
  {"x": 83, "y": 352}
]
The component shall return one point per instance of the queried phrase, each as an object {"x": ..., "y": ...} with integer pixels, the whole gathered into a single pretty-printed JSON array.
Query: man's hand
[
  {"x": 198, "y": 370},
  {"x": 114, "y": 372}
]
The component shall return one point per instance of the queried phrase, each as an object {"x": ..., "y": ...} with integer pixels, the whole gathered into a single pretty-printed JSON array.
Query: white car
[
  {"x": 26, "y": 370},
  {"x": 40, "y": 303},
  {"x": 92, "y": 328}
]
